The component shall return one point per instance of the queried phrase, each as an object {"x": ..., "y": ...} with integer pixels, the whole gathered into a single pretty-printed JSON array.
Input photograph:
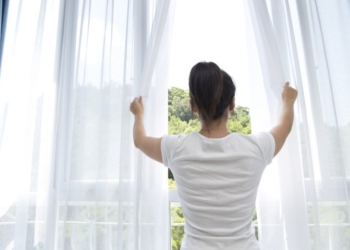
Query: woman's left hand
[{"x": 136, "y": 107}]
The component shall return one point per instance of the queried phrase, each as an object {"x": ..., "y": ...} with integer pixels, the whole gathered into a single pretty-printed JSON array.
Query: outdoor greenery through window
[{"x": 182, "y": 121}]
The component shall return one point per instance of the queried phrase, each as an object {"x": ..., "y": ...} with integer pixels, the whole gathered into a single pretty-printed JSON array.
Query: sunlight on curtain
[
  {"x": 27, "y": 96},
  {"x": 303, "y": 200},
  {"x": 70, "y": 176}
]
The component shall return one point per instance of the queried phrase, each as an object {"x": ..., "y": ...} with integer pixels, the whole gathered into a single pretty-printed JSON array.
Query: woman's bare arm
[
  {"x": 149, "y": 145},
  {"x": 281, "y": 131}
]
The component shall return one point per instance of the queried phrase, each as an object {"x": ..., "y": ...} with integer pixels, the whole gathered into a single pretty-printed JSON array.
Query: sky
[{"x": 208, "y": 30}]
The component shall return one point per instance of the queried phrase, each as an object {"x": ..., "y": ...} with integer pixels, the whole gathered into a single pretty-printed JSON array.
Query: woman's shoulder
[
  {"x": 170, "y": 139},
  {"x": 196, "y": 135},
  {"x": 181, "y": 136},
  {"x": 179, "y": 139}
]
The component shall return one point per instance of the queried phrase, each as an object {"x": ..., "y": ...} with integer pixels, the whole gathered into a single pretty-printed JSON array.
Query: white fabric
[
  {"x": 70, "y": 176},
  {"x": 217, "y": 181},
  {"x": 303, "y": 200}
]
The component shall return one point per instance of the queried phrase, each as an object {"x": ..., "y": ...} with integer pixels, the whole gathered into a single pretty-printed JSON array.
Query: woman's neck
[{"x": 214, "y": 129}]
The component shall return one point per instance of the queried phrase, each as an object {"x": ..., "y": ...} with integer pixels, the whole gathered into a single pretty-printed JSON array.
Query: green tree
[
  {"x": 176, "y": 125},
  {"x": 178, "y": 104},
  {"x": 177, "y": 230}
]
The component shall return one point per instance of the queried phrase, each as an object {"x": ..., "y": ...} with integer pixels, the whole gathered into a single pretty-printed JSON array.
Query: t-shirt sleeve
[
  {"x": 266, "y": 143},
  {"x": 168, "y": 145}
]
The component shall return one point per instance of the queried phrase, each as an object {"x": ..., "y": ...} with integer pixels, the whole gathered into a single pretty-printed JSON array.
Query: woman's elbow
[{"x": 136, "y": 143}]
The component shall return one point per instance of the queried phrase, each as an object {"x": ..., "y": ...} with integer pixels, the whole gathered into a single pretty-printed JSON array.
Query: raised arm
[
  {"x": 285, "y": 123},
  {"x": 148, "y": 145}
]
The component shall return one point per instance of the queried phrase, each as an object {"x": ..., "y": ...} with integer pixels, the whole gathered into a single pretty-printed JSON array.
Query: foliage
[
  {"x": 239, "y": 121},
  {"x": 177, "y": 229},
  {"x": 178, "y": 104},
  {"x": 172, "y": 184}
]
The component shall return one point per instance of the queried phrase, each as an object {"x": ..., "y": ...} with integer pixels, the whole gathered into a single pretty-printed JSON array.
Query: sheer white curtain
[
  {"x": 70, "y": 176},
  {"x": 303, "y": 201}
]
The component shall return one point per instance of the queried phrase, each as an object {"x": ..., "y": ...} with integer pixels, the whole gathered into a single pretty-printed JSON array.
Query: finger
[
  {"x": 140, "y": 99},
  {"x": 287, "y": 84}
]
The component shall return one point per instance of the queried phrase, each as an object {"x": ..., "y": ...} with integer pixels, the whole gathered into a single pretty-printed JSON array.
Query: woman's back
[{"x": 217, "y": 181}]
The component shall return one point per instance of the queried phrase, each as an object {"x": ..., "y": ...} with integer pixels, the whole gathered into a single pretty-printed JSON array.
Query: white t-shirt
[{"x": 217, "y": 181}]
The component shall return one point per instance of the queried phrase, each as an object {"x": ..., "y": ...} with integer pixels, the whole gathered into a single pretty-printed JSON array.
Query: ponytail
[{"x": 211, "y": 90}]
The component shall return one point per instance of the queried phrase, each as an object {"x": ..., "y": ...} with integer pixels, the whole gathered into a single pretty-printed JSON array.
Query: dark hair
[{"x": 211, "y": 90}]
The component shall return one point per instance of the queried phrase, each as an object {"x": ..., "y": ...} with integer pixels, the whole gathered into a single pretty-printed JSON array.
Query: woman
[{"x": 217, "y": 172}]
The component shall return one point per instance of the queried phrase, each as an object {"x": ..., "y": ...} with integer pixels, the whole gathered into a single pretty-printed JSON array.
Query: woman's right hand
[{"x": 289, "y": 94}]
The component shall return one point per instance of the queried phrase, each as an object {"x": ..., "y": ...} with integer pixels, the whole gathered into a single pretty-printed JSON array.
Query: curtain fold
[
  {"x": 71, "y": 177},
  {"x": 303, "y": 201}
]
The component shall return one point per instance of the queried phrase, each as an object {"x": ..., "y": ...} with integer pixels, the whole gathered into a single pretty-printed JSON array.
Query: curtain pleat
[
  {"x": 303, "y": 201},
  {"x": 70, "y": 176}
]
